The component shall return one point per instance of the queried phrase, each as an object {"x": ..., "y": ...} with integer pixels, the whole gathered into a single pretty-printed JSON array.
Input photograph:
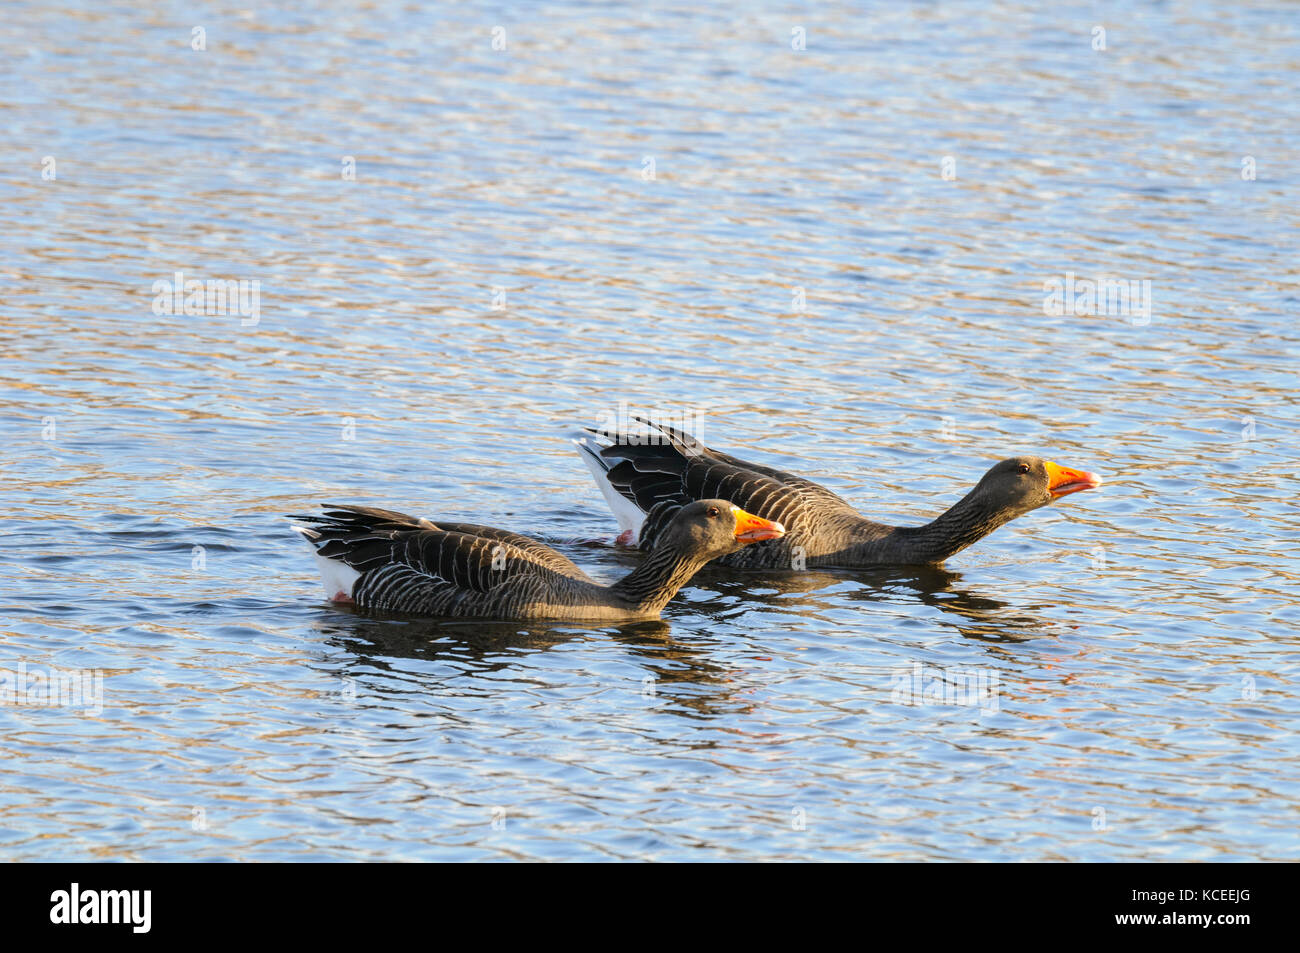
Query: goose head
[
  {"x": 1021, "y": 484},
  {"x": 714, "y": 528}
]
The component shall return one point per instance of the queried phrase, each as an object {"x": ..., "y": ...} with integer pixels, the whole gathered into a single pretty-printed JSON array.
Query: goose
[
  {"x": 382, "y": 560},
  {"x": 647, "y": 478}
]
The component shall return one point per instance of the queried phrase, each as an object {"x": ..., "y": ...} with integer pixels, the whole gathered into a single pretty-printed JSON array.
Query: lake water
[{"x": 834, "y": 259}]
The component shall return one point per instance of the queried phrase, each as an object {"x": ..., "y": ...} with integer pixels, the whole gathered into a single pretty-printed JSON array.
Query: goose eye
[
  {"x": 713, "y": 512},
  {"x": 1024, "y": 468}
]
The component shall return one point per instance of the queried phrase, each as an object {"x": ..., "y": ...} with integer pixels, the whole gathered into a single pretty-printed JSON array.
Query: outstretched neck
[
  {"x": 969, "y": 520},
  {"x": 664, "y": 571}
]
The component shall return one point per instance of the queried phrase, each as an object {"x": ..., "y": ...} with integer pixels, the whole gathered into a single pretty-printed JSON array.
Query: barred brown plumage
[
  {"x": 392, "y": 562},
  {"x": 648, "y": 481}
]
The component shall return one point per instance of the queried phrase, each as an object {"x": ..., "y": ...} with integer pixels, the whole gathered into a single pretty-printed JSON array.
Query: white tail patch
[
  {"x": 629, "y": 515},
  {"x": 338, "y": 576}
]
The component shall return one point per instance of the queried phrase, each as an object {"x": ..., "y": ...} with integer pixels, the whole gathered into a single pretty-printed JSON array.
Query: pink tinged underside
[
  {"x": 338, "y": 577},
  {"x": 626, "y": 538}
]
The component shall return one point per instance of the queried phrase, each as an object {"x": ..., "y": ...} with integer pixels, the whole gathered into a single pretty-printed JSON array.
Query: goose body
[
  {"x": 391, "y": 562},
  {"x": 648, "y": 478}
]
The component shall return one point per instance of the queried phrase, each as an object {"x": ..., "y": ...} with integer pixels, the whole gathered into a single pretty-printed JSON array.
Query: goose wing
[
  {"x": 660, "y": 477},
  {"x": 407, "y": 564}
]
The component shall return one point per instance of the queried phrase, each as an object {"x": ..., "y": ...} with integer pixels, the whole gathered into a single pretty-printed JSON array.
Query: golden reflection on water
[{"x": 501, "y": 270}]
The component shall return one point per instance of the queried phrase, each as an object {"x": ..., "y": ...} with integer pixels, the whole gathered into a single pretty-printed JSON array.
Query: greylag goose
[
  {"x": 391, "y": 562},
  {"x": 647, "y": 478}
]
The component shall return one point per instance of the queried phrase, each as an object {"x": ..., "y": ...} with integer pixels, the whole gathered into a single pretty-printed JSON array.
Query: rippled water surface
[{"x": 630, "y": 206}]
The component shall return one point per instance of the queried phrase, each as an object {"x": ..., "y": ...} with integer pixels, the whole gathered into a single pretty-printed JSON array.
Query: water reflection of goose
[
  {"x": 976, "y": 616},
  {"x": 681, "y": 676}
]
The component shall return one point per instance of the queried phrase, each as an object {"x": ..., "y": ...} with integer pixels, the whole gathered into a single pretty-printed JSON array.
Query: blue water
[{"x": 664, "y": 206}]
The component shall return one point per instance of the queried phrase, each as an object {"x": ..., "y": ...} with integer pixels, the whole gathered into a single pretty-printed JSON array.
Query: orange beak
[
  {"x": 1063, "y": 480},
  {"x": 755, "y": 529}
]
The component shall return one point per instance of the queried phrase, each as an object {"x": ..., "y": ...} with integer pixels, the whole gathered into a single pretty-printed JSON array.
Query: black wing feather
[
  {"x": 412, "y": 565},
  {"x": 661, "y": 476}
]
